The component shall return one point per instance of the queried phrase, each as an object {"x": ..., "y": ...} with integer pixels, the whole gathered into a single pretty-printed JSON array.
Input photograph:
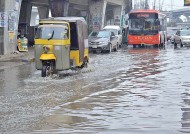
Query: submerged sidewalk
[{"x": 19, "y": 56}]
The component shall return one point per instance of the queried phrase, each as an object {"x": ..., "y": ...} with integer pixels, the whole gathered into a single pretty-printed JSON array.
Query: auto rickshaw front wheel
[
  {"x": 44, "y": 70},
  {"x": 48, "y": 67}
]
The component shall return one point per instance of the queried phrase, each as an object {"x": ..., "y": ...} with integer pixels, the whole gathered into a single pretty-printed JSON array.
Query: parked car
[
  {"x": 104, "y": 41},
  {"x": 182, "y": 37},
  {"x": 117, "y": 31}
]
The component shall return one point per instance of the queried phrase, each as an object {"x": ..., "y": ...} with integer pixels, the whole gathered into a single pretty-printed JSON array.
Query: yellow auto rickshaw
[{"x": 61, "y": 43}]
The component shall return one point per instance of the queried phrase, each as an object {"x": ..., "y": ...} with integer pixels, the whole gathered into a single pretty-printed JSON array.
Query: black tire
[
  {"x": 175, "y": 44},
  {"x": 84, "y": 64},
  {"x": 181, "y": 44},
  {"x": 44, "y": 71},
  {"x": 156, "y": 45},
  {"x": 119, "y": 45},
  {"x": 115, "y": 49},
  {"x": 162, "y": 45},
  {"x": 110, "y": 48}
]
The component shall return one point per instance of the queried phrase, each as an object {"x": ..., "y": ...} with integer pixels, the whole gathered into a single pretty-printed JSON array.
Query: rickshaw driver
[{"x": 64, "y": 34}]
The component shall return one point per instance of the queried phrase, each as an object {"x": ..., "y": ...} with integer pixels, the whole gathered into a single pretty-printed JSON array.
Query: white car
[
  {"x": 182, "y": 37},
  {"x": 117, "y": 31}
]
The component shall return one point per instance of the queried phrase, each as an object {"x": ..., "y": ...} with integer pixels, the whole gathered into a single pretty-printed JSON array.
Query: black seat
[{"x": 74, "y": 37}]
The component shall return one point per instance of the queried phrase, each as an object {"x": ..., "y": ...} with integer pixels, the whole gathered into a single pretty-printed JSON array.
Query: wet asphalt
[{"x": 131, "y": 91}]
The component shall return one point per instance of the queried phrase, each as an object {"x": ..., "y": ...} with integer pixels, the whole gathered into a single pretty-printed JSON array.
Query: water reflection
[
  {"x": 147, "y": 65},
  {"x": 11, "y": 78},
  {"x": 134, "y": 91},
  {"x": 185, "y": 120},
  {"x": 11, "y": 111},
  {"x": 119, "y": 102}
]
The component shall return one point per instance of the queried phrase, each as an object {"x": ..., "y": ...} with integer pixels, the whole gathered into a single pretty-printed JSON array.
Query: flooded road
[{"x": 131, "y": 91}]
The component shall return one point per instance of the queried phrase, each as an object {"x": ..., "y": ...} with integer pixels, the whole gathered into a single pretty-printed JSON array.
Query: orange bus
[{"x": 147, "y": 27}]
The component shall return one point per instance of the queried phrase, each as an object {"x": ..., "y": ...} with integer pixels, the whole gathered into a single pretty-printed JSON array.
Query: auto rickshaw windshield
[{"x": 52, "y": 32}]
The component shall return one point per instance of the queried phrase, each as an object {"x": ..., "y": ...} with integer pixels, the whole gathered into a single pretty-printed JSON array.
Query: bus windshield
[
  {"x": 50, "y": 32},
  {"x": 144, "y": 24}
]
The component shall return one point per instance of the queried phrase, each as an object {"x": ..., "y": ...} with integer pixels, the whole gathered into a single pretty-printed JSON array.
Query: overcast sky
[{"x": 167, "y": 4}]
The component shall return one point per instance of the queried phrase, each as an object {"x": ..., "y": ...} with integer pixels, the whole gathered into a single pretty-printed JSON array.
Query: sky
[{"x": 167, "y": 4}]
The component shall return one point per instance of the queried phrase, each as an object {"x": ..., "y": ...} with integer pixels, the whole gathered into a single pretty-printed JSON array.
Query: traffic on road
[{"x": 141, "y": 87}]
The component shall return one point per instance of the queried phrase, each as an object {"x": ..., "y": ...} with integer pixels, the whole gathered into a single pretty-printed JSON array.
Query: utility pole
[
  {"x": 129, "y": 5},
  {"x": 154, "y": 5},
  {"x": 146, "y": 4},
  {"x": 171, "y": 4},
  {"x": 162, "y": 5}
]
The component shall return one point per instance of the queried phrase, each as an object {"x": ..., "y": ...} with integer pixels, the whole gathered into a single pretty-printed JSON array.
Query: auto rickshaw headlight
[{"x": 46, "y": 49}]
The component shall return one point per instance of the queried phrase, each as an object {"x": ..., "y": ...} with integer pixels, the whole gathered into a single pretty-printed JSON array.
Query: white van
[{"x": 117, "y": 31}]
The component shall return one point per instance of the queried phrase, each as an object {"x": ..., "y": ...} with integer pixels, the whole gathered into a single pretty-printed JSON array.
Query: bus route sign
[{"x": 186, "y": 2}]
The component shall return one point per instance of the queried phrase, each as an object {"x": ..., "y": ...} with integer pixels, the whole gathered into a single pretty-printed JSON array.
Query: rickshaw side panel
[
  {"x": 86, "y": 51},
  {"x": 85, "y": 35},
  {"x": 63, "y": 52},
  {"x": 74, "y": 54},
  {"x": 80, "y": 40},
  {"x": 79, "y": 52}
]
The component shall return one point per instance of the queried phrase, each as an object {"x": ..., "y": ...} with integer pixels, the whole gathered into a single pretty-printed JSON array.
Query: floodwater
[{"x": 131, "y": 91}]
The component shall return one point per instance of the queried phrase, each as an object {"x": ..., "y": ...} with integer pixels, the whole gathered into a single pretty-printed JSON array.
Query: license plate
[
  {"x": 24, "y": 46},
  {"x": 94, "y": 46}
]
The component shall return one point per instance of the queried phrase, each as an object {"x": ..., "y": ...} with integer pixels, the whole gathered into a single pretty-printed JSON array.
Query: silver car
[
  {"x": 182, "y": 37},
  {"x": 102, "y": 41}
]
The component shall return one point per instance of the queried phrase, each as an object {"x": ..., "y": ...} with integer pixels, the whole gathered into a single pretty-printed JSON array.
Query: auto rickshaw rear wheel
[{"x": 85, "y": 63}]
